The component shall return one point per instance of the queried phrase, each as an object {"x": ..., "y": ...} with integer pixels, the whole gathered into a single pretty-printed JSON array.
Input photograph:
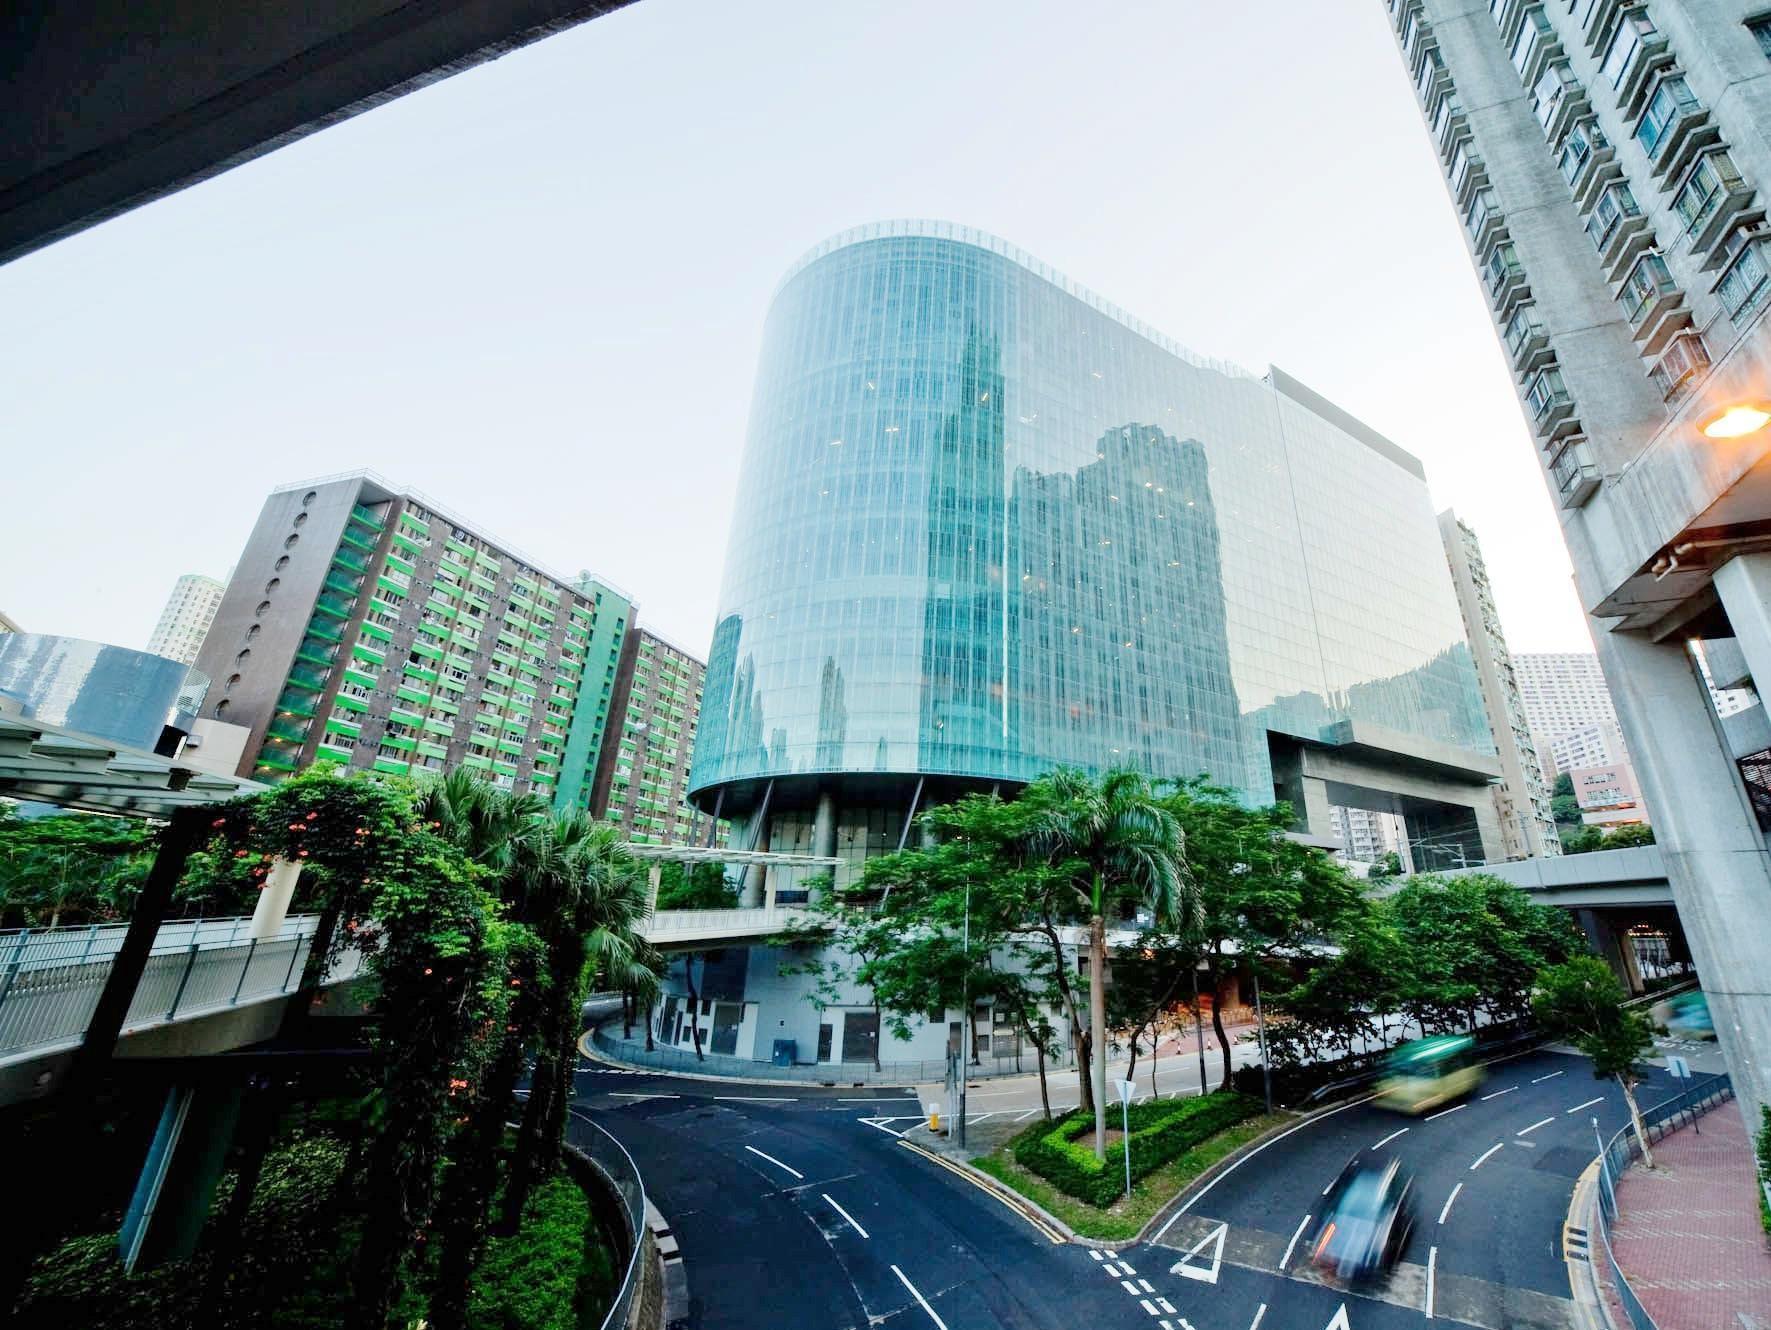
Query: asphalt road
[{"x": 792, "y": 1210}]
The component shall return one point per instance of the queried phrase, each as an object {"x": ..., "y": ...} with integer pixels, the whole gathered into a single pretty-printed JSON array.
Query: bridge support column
[
  {"x": 177, "y": 1183},
  {"x": 1715, "y": 856},
  {"x": 756, "y": 837},
  {"x": 273, "y": 901},
  {"x": 824, "y": 828},
  {"x": 1612, "y": 944}
]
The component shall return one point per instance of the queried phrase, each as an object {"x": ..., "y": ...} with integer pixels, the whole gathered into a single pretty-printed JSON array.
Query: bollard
[{"x": 934, "y": 1117}]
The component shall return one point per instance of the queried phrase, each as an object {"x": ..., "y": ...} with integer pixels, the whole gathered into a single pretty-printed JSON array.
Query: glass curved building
[{"x": 988, "y": 524}]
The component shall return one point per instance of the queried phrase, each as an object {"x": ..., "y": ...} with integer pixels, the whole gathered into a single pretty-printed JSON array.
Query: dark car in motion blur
[{"x": 1367, "y": 1218}]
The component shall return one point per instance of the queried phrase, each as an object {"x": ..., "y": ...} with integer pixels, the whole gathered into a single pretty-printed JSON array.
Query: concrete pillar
[
  {"x": 755, "y": 835},
  {"x": 654, "y": 877},
  {"x": 824, "y": 832},
  {"x": 177, "y": 1182},
  {"x": 1318, "y": 821},
  {"x": 273, "y": 902},
  {"x": 1715, "y": 856},
  {"x": 1613, "y": 945}
]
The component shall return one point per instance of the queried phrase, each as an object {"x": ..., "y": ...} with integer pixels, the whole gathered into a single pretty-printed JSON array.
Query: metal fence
[
  {"x": 1622, "y": 1149},
  {"x": 612, "y": 1160},
  {"x": 634, "y": 1053},
  {"x": 50, "y": 979}
]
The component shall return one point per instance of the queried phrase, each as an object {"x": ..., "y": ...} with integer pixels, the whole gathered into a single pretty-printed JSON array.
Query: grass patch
[{"x": 1123, "y": 1218}]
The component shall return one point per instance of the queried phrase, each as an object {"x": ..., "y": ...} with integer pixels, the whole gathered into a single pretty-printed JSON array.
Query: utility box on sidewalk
[{"x": 786, "y": 1052}]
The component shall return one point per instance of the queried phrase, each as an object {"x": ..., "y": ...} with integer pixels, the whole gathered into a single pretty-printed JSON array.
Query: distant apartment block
[
  {"x": 1608, "y": 795},
  {"x": 1522, "y": 799},
  {"x": 1562, "y": 691},
  {"x": 643, "y": 776},
  {"x": 190, "y": 609},
  {"x": 9, "y": 625},
  {"x": 1369, "y": 834},
  {"x": 369, "y": 626},
  {"x": 1589, "y": 746}
]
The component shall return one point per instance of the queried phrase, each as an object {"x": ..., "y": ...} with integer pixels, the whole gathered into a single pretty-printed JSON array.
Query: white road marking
[
  {"x": 1149, "y": 1306},
  {"x": 1201, "y": 1193},
  {"x": 924, "y": 1302},
  {"x": 1339, "y": 1320},
  {"x": 1552, "y": 1076},
  {"x": 1111, "y": 1269},
  {"x": 1125, "y": 1265},
  {"x": 1094, "y": 1253},
  {"x": 1442, "y": 1112},
  {"x": 883, "y": 1099},
  {"x": 1498, "y": 1093},
  {"x": 1330, "y": 1186},
  {"x": 845, "y": 1214},
  {"x": 1589, "y": 1103},
  {"x": 1432, "y": 1265},
  {"x": 1029, "y": 1113},
  {"x": 1166, "y": 1305},
  {"x": 1129, "y": 1287},
  {"x": 776, "y": 1162},
  {"x": 978, "y": 1117},
  {"x": 877, "y": 1125},
  {"x": 1485, "y": 1154},
  {"x": 752, "y": 1099},
  {"x": 627, "y": 1094},
  {"x": 1448, "y": 1200},
  {"x": 1259, "y": 1312},
  {"x": 1208, "y": 1274},
  {"x": 1381, "y": 1144},
  {"x": 1541, "y": 1122},
  {"x": 1285, "y": 1260},
  {"x": 1145, "y": 1285}
]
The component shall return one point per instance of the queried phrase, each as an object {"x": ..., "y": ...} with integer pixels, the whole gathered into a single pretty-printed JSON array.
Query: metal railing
[
  {"x": 635, "y": 1054},
  {"x": 1623, "y": 1148},
  {"x": 610, "y": 1158},
  {"x": 50, "y": 979}
]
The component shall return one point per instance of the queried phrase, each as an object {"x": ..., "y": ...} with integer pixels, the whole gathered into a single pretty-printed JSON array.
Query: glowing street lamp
[{"x": 1737, "y": 421}]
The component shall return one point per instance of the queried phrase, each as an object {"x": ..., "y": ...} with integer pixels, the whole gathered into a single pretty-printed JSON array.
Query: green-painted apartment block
[{"x": 370, "y": 627}]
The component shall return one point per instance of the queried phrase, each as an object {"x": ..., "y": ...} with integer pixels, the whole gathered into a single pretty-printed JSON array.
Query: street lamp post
[
  {"x": 1260, "y": 1021},
  {"x": 1199, "y": 1030},
  {"x": 965, "y": 1007}
]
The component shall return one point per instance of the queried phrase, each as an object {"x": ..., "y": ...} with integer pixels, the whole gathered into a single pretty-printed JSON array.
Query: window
[
  {"x": 1742, "y": 288},
  {"x": 1503, "y": 266},
  {"x": 1672, "y": 100},
  {"x": 1761, "y": 28},
  {"x": 1582, "y": 142},
  {"x": 309, "y": 497},
  {"x": 1535, "y": 30},
  {"x": 242, "y": 658},
  {"x": 272, "y": 585},
  {"x": 1545, "y": 392},
  {"x": 291, "y": 542},
  {"x": 300, "y": 519},
  {"x": 221, "y": 707},
  {"x": 1626, "y": 44},
  {"x": 1711, "y": 180},
  {"x": 1482, "y": 207},
  {"x": 263, "y": 605},
  {"x": 1555, "y": 85},
  {"x": 1614, "y": 206},
  {"x": 1647, "y": 282}
]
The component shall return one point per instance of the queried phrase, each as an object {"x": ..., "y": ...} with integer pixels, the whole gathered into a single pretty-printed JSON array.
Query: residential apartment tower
[{"x": 190, "y": 609}]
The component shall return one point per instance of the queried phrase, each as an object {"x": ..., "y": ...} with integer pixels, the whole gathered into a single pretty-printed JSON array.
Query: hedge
[
  {"x": 1161, "y": 1129},
  {"x": 548, "y": 1274}
]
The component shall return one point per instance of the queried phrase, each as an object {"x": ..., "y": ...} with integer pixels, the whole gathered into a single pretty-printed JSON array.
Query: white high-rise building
[
  {"x": 183, "y": 623},
  {"x": 1562, "y": 691},
  {"x": 1522, "y": 800},
  {"x": 1608, "y": 164},
  {"x": 1590, "y": 746}
]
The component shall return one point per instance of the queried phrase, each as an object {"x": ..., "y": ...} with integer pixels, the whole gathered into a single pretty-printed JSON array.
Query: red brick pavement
[{"x": 1688, "y": 1235}]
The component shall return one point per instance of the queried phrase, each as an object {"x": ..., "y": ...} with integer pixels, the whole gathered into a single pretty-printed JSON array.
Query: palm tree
[
  {"x": 1120, "y": 845},
  {"x": 487, "y": 822}
]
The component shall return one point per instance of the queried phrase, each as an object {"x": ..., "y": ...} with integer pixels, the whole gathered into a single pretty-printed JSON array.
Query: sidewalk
[{"x": 1688, "y": 1235}]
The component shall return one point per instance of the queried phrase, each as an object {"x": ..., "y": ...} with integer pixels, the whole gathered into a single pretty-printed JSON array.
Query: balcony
[
  {"x": 1587, "y": 161},
  {"x": 345, "y": 559},
  {"x": 342, "y": 585},
  {"x": 1618, "y": 230},
  {"x": 364, "y": 515},
  {"x": 1712, "y": 201},
  {"x": 1686, "y": 360},
  {"x": 336, "y": 606},
  {"x": 1431, "y": 79},
  {"x": 1557, "y": 99},
  {"x": 1673, "y": 126},
  {"x": 1637, "y": 51},
  {"x": 1451, "y": 124},
  {"x": 1535, "y": 46},
  {"x": 312, "y": 653},
  {"x": 1468, "y": 173},
  {"x": 1551, "y": 406},
  {"x": 286, "y": 729},
  {"x": 313, "y": 681},
  {"x": 1601, "y": 21},
  {"x": 1653, "y": 303},
  {"x": 1527, "y": 341},
  {"x": 1504, "y": 275},
  {"x": 1575, "y": 477}
]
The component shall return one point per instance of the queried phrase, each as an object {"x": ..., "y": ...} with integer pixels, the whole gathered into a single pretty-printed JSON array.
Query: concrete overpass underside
[{"x": 109, "y": 104}]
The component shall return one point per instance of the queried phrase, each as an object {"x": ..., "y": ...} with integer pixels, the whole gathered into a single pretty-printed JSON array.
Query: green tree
[
  {"x": 1119, "y": 847},
  {"x": 695, "y": 887},
  {"x": 70, "y": 868},
  {"x": 1581, "y": 1001},
  {"x": 1563, "y": 804},
  {"x": 1580, "y": 839},
  {"x": 1629, "y": 834}
]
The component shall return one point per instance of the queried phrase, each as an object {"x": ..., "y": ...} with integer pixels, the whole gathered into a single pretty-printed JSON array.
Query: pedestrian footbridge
[{"x": 209, "y": 985}]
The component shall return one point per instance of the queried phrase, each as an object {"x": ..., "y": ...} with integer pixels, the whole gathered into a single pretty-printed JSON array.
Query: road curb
[
  {"x": 675, "y": 1314},
  {"x": 1035, "y": 1214},
  {"x": 1590, "y": 1309}
]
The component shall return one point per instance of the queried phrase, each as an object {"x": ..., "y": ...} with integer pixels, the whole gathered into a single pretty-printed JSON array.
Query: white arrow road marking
[
  {"x": 776, "y": 1162},
  {"x": 1340, "y": 1321},
  {"x": 1285, "y": 1260},
  {"x": 1216, "y": 1239}
]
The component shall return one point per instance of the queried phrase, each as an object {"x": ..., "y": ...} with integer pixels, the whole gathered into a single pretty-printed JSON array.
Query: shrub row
[
  {"x": 545, "y": 1275},
  {"x": 1161, "y": 1130}
]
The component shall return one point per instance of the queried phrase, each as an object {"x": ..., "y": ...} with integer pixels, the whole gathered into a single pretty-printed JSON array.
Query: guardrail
[
  {"x": 50, "y": 979},
  {"x": 610, "y": 1158},
  {"x": 1622, "y": 1149}
]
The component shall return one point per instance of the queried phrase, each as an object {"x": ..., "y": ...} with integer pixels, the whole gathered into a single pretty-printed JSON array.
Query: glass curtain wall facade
[{"x": 987, "y": 524}]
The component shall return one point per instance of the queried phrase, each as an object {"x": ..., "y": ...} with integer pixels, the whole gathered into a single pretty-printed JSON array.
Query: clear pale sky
[{"x": 535, "y": 291}]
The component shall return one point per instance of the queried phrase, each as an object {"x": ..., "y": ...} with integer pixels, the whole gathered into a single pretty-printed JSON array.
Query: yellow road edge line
[{"x": 1057, "y": 1238}]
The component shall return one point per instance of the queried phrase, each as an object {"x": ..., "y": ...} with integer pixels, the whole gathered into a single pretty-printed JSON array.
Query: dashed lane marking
[
  {"x": 785, "y": 1168},
  {"x": 1285, "y": 1260},
  {"x": 625, "y": 1094},
  {"x": 921, "y": 1301},
  {"x": 1259, "y": 1312},
  {"x": 1386, "y": 1140},
  {"x": 1541, "y": 1122},
  {"x": 752, "y": 1099},
  {"x": 1442, "y": 1112},
  {"x": 1448, "y": 1200},
  {"x": 1552, "y": 1076},
  {"x": 1589, "y": 1103},
  {"x": 1485, "y": 1155},
  {"x": 845, "y": 1214},
  {"x": 1498, "y": 1093}
]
